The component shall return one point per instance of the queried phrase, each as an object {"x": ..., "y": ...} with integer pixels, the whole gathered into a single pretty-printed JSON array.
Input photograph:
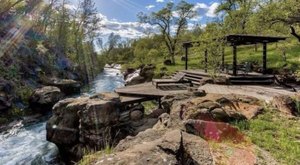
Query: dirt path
[{"x": 261, "y": 92}]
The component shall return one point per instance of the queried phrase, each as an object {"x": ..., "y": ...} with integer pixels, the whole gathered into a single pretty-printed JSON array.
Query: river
[{"x": 28, "y": 145}]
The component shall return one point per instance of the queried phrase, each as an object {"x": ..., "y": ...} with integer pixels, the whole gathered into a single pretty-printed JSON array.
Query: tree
[
  {"x": 85, "y": 33},
  {"x": 113, "y": 41},
  {"x": 289, "y": 15},
  {"x": 237, "y": 14},
  {"x": 169, "y": 17},
  {"x": 7, "y": 5}
]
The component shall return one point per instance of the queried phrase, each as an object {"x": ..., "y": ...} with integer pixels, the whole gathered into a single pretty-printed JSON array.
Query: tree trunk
[
  {"x": 173, "y": 59},
  {"x": 172, "y": 53}
]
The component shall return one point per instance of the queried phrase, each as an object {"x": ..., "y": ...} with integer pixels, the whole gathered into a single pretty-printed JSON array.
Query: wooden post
[
  {"x": 205, "y": 60},
  {"x": 186, "y": 56},
  {"x": 264, "y": 58},
  {"x": 223, "y": 59},
  {"x": 159, "y": 103},
  {"x": 234, "y": 61}
]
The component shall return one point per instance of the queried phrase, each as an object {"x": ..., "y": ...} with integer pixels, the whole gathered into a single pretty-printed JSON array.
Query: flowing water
[{"x": 28, "y": 145}]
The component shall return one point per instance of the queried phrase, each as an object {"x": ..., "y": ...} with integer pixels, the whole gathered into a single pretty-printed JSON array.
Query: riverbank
[{"x": 25, "y": 140}]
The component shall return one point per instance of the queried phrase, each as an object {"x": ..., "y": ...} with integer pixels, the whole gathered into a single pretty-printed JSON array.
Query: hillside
[{"x": 275, "y": 58}]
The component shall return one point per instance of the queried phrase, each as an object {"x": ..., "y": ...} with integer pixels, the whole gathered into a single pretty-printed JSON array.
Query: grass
[
  {"x": 276, "y": 134},
  {"x": 149, "y": 106},
  {"x": 92, "y": 156}
]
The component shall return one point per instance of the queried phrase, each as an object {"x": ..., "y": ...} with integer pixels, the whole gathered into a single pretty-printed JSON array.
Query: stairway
[{"x": 196, "y": 77}]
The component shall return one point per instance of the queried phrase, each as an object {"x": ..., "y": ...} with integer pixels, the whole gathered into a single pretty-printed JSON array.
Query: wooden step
[
  {"x": 196, "y": 73},
  {"x": 192, "y": 79},
  {"x": 267, "y": 81},
  {"x": 194, "y": 76},
  {"x": 263, "y": 77}
]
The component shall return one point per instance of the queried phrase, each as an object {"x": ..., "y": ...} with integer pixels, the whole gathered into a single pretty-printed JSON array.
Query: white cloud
[
  {"x": 149, "y": 7},
  {"x": 160, "y": 1},
  {"x": 212, "y": 9},
  {"x": 197, "y": 18},
  {"x": 207, "y": 10},
  {"x": 129, "y": 30},
  {"x": 70, "y": 7}
]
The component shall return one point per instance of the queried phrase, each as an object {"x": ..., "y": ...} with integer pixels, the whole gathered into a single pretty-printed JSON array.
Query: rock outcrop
[
  {"x": 43, "y": 99},
  {"x": 174, "y": 147},
  {"x": 67, "y": 86},
  {"x": 177, "y": 139},
  {"x": 143, "y": 74},
  {"x": 217, "y": 131},
  {"x": 91, "y": 123},
  {"x": 222, "y": 108},
  {"x": 288, "y": 105}
]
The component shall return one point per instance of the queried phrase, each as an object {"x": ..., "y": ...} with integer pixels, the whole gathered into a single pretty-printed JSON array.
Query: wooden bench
[{"x": 177, "y": 78}]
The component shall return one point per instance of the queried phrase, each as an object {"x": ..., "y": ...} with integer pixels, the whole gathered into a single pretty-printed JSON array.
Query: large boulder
[
  {"x": 128, "y": 71},
  {"x": 144, "y": 74},
  {"x": 43, "y": 99},
  {"x": 217, "y": 131},
  {"x": 92, "y": 123},
  {"x": 67, "y": 86},
  {"x": 147, "y": 72},
  {"x": 173, "y": 147},
  {"x": 135, "y": 80},
  {"x": 287, "y": 105},
  {"x": 223, "y": 108}
]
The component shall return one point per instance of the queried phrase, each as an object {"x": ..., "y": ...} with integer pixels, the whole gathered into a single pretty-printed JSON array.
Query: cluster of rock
[
  {"x": 91, "y": 123},
  {"x": 143, "y": 74},
  {"x": 43, "y": 99},
  {"x": 179, "y": 133},
  {"x": 183, "y": 135},
  {"x": 114, "y": 66}
]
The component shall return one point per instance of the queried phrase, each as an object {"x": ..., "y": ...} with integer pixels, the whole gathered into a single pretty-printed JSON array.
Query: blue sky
[{"x": 120, "y": 16}]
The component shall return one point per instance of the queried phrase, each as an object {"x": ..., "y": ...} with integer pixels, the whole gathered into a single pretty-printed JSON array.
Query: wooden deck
[
  {"x": 125, "y": 100},
  {"x": 150, "y": 91},
  {"x": 147, "y": 91}
]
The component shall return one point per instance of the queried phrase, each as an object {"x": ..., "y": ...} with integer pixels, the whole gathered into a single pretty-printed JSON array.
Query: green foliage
[
  {"x": 149, "y": 106},
  {"x": 10, "y": 72},
  {"x": 24, "y": 93},
  {"x": 165, "y": 19},
  {"x": 15, "y": 112}
]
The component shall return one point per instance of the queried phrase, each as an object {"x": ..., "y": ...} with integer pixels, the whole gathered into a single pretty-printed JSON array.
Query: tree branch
[{"x": 293, "y": 32}]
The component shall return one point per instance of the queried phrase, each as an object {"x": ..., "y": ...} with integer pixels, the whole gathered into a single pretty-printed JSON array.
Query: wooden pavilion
[{"x": 235, "y": 40}]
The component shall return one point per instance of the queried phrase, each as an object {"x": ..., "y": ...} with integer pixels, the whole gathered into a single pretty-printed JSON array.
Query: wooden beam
[
  {"x": 223, "y": 58},
  {"x": 205, "y": 60},
  {"x": 264, "y": 58},
  {"x": 159, "y": 103},
  {"x": 186, "y": 57},
  {"x": 234, "y": 60}
]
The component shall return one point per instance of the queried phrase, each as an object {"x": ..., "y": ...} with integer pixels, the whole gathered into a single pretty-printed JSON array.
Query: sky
[{"x": 120, "y": 16}]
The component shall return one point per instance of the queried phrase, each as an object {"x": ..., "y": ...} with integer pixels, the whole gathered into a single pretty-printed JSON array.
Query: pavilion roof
[
  {"x": 247, "y": 39},
  {"x": 241, "y": 39}
]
